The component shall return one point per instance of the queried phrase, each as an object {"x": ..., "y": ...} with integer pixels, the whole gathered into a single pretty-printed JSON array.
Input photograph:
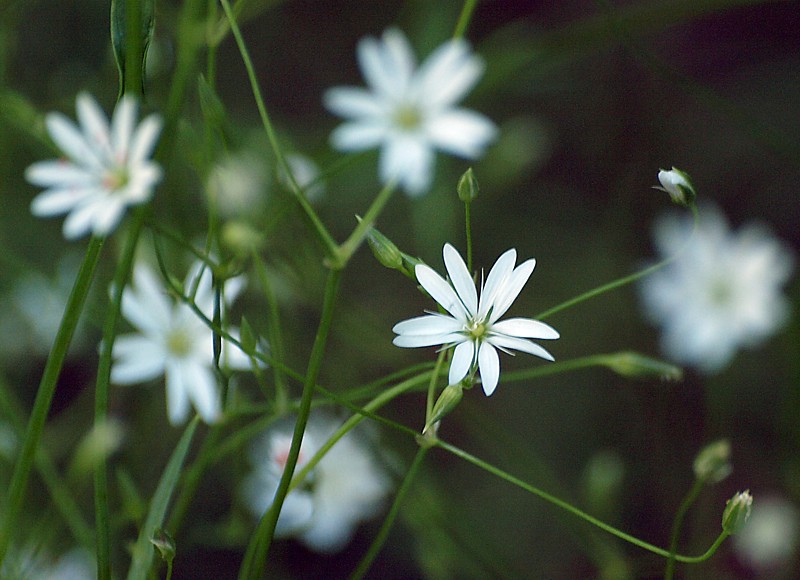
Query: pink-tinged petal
[
  {"x": 461, "y": 278},
  {"x": 202, "y": 390},
  {"x": 420, "y": 340},
  {"x": 440, "y": 291},
  {"x": 353, "y": 103},
  {"x": 497, "y": 276},
  {"x": 58, "y": 201},
  {"x": 122, "y": 126},
  {"x": 136, "y": 360},
  {"x": 145, "y": 139},
  {"x": 409, "y": 159},
  {"x": 463, "y": 359},
  {"x": 59, "y": 173},
  {"x": 520, "y": 344},
  {"x": 525, "y": 328},
  {"x": 387, "y": 64},
  {"x": 428, "y": 324},
  {"x": 489, "y": 366},
  {"x": 509, "y": 291},
  {"x": 177, "y": 394},
  {"x": 448, "y": 74},
  {"x": 359, "y": 136},
  {"x": 461, "y": 132}
]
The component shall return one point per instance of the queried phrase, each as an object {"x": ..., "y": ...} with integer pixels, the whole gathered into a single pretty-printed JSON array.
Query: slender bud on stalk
[
  {"x": 737, "y": 511},
  {"x": 678, "y": 185},
  {"x": 713, "y": 462},
  {"x": 467, "y": 186}
]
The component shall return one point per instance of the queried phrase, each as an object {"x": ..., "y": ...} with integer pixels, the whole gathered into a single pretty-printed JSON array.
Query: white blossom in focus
[
  {"x": 106, "y": 167},
  {"x": 344, "y": 489},
  {"x": 411, "y": 113},
  {"x": 473, "y": 325},
  {"x": 721, "y": 294},
  {"x": 172, "y": 340}
]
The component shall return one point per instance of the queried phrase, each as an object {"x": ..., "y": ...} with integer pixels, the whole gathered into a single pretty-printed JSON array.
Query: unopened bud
[
  {"x": 713, "y": 464},
  {"x": 635, "y": 365},
  {"x": 448, "y": 400},
  {"x": 467, "y": 186},
  {"x": 384, "y": 250},
  {"x": 737, "y": 511},
  {"x": 678, "y": 185},
  {"x": 164, "y": 543}
]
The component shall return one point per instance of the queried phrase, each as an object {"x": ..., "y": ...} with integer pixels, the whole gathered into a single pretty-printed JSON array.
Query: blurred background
[{"x": 591, "y": 99}]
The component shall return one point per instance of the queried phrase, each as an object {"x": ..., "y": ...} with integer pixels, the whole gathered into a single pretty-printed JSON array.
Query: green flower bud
[
  {"x": 467, "y": 186},
  {"x": 713, "y": 464},
  {"x": 737, "y": 511},
  {"x": 448, "y": 400},
  {"x": 384, "y": 250},
  {"x": 164, "y": 543},
  {"x": 241, "y": 238},
  {"x": 635, "y": 365},
  {"x": 678, "y": 185}
]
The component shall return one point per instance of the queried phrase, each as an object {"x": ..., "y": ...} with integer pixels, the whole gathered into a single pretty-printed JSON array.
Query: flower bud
[
  {"x": 450, "y": 397},
  {"x": 737, "y": 510},
  {"x": 713, "y": 464},
  {"x": 678, "y": 185},
  {"x": 467, "y": 186},
  {"x": 384, "y": 250},
  {"x": 164, "y": 543},
  {"x": 635, "y": 365}
]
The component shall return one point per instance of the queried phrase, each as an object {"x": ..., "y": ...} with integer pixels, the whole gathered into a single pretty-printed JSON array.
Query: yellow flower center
[
  {"x": 179, "y": 343},
  {"x": 407, "y": 117}
]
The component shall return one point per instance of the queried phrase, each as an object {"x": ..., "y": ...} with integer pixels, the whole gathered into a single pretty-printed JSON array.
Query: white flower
[
  {"x": 411, "y": 113},
  {"x": 237, "y": 184},
  {"x": 677, "y": 184},
  {"x": 345, "y": 488},
  {"x": 473, "y": 325},
  {"x": 769, "y": 540},
  {"x": 722, "y": 293},
  {"x": 106, "y": 168},
  {"x": 173, "y": 341},
  {"x": 305, "y": 173}
]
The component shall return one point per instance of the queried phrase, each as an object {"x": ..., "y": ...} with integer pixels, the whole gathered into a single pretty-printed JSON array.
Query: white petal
[
  {"x": 358, "y": 136},
  {"x": 387, "y": 64},
  {"x": 440, "y": 291},
  {"x": 61, "y": 173},
  {"x": 107, "y": 216},
  {"x": 122, "y": 125},
  {"x": 353, "y": 103},
  {"x": 177, "y": 396},
  {"x": 461, "y": 132},
  {"x": 427, "y": 325},
  {"x": 58, "y": 201},
  {"x": 525, "y": 328},
  {"x": 463, "y": 358},
  {"x": 489, "y": 366},
  {"x": 145, "y": 139},
  {"x": 80, "y": 221},
  {"x": 408, "y": 158},
  {"x": 511, "y": 288},
  {"x": 448, "y": 74},
  {"x": 137, "y": 360},
  {"x": 93, "y": 123},
  {"x": 202, "y": 390},
  {"x": 419, "y": 340},
  {"x": 461, "y": 278},
  {"x": 70, "y": 140},
  {"x": 520, "y": 344},
  {"x": 146, "y": 306},
  {"x": 497, "y": 276}
]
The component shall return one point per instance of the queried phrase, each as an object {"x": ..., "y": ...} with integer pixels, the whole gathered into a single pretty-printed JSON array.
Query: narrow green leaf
[{"x": 122, "y": 45}]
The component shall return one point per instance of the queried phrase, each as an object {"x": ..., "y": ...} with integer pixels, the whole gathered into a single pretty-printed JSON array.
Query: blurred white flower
[
  {"x": 106, "y": 169},
  {"x": 173, "y": 341},
  {"x": 238, "y": 185},
  {"x": 473, "y": 326},
  {"x": 722, "y": 293},
  {"x": 411, "y": 113},
  {"x": 33, "y": 564},
  {"x": 305, "y": 173},
  {"x": 345, "y": 488},
  {"x": 769, "y": 539}
]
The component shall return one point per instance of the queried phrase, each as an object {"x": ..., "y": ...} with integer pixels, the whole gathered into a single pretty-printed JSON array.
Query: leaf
[{"x": 122, "y": 44}]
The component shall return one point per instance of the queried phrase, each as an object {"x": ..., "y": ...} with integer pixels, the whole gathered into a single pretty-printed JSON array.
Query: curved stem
[
  {"x": 464, "y": 18},
  {"x": 676, "y": 526}
]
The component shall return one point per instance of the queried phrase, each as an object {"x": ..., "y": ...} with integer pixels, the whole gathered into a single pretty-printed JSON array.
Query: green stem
[
  {"x": 579, "y": 513},
  {"x": 464, "y": 18},
  {"x": 256, "y": 555},
  {"x": 676, "y": 526},
  {"x": 625, "y": 279},
  {"x": 275, "y": 333},
  {"x": 44, "y": 395},
  {"x": 351, "y": 244},
  {"x": 383, "y": 533},
  {"x": 134, "y": 48},
  {"x": 328, "y": 243}
]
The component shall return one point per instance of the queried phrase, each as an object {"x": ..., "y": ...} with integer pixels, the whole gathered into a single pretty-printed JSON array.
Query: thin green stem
[
  {"x": 625, "y": 279},
  {"x": 680, "y": 515},
  {"x": 577, "y": 512},
  {"x": 256, "y": 555},
  {"x": 328, "y": 243},
  {"x": 468, "y": 229},
  {"x": 464, "y": 18},
  {"x": 345, "y": 251},
  {"x": 44, "y": 395},
  {"x": 383, "y": 533},
  {"x": 134, "y": 48}
]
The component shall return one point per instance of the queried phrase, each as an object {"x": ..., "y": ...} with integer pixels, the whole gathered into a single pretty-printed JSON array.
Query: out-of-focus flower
[
  {"x": 473, "y": 326},
  {"x": 33, "y": 564},
  {"x": 411, "y": 113},
  {"x": 173, "y": 340},
  {"x": 237, "y": 185},
  {"x": 345, "y": 488},
  {"x": 769, "y": 540},
  {"x": 107, "y": 168},
  {"x": 722, "y": 293},
  {"x": 306, "y": 174},
  {"x": 678, "y": 185}
]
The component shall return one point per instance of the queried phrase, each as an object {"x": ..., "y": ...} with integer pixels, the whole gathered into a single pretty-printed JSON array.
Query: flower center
[
  {"x": 115, "y": 178},
  {"x": 179, "y": 342},
  {"x": 721, "y": 292},
  {"x": 477, "y": 329},
  {"x": 407, "y": 117}
]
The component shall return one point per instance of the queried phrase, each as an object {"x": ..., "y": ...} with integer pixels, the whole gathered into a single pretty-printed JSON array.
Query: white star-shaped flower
[
  {"x": 473, "y": 325},
  {"x": 722, "y": 293},
  {"x": 410, "y": 113},
  {"x": 173, "y": 341},
  {"x": 106, "y": 168}
]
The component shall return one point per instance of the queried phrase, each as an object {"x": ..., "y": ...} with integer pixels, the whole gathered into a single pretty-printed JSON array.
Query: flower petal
[
  {"x": 461, "y": 279},
  {"x": 427, "y": 325},
  {"x": 387, "y": 64},
  {"x": 525, "y": 328},
  {"x": 440, "y": 291},
  {"x": 353, "y": 103},
  {"x": 489, "y": 366},
  {"x": 409, "y": 159},
  {"x": 510, "y": 289},
  {"x": 463, "y": 358},
  {"x": 448, "y": 74},
  {"x": 359, "y": 136},
  {"x": 461, "y": 132},
  {"x": 497, "y": 276},
  {"x": 520, "y": 344},
  {"x": 137, "y": 360}
]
